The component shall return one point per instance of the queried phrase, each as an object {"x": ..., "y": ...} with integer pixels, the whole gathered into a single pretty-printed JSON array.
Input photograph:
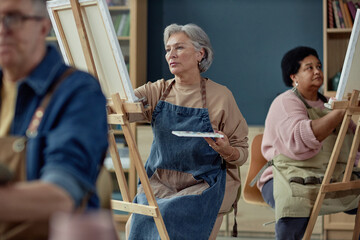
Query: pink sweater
[{"x": 288, "y": 131}]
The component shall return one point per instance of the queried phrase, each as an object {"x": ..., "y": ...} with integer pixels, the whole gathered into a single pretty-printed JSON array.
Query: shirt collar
[{"x": 45, "y": 73}]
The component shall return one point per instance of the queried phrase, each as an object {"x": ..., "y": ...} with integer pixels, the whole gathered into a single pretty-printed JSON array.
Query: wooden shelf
[
  {"x": 118, "y": 132},
  {"x": 119, "y": 8},
  {"x": 338, "y": 226},
  {"x": 124, "y": 38},
  {"x": 338, "y": 30},
  {"x": 335, "y": 42}
]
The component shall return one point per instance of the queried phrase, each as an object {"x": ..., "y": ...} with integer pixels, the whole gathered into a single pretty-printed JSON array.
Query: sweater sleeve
[
  {"x": 226, "y": 117},
  {"x": 236, "y": 129},
  {"x": 288, "y": 130},
  {"x": 152, "y": 92}
]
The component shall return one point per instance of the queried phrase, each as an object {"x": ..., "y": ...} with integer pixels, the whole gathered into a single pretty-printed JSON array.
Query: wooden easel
[
  {"x": 117, "y": 114},
  {"x": 352, "y": 109}
]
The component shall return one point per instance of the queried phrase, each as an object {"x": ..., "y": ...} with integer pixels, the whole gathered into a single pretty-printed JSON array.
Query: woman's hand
[{"x": 222, "y": 146}]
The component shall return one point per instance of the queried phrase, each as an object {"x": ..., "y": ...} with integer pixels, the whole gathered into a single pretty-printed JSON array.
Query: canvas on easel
[
  {"x": 105, "y": 48},
  {"x": 350, "y": 74},
  {"x": 88, "y": 41}
]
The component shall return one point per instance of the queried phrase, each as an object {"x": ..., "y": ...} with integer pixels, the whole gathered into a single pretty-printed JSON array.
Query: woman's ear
[
  {"x": 201, "y": 54},
  {"x": 293, "y": 78}
]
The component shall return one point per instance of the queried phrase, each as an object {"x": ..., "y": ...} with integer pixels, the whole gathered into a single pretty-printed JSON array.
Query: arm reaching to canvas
[{"x": 323, "y": 127}]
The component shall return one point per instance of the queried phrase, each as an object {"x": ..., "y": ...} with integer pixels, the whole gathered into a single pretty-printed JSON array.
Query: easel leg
[
  {"x": 118, "y": 168},
  {"x": 353, "y": 152},
  {"x": 313, "y": 216},
  {"x": 130, "y": 139},
  {"x": 328, "y": 174},
  {"x": 144, "y": 180}
]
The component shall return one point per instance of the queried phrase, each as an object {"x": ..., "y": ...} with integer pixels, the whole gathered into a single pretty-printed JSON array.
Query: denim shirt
[{"x": 72, "y": 136}]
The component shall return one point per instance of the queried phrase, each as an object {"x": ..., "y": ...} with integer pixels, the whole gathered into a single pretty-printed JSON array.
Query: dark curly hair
[{"x": 290, "y": 62}]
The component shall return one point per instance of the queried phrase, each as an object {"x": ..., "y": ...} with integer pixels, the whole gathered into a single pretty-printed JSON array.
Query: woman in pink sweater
[{"x": 293, "y": 134}]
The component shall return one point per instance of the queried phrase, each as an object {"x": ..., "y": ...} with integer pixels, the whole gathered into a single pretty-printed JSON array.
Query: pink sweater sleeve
[{"x": 288, "y": 132}]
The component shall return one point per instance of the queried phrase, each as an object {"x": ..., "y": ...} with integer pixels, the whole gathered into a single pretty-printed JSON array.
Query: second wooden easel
[
  {"x": 118, "y": 110},
  {"x": 352, "y": 109}
]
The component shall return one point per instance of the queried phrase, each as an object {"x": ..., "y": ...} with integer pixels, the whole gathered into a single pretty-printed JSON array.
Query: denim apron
[
  {"x": 187, "y": 176},
  {"x": 297, "y": 183}
]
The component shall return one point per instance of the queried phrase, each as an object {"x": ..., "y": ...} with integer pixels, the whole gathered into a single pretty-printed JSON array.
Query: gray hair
[
  {"x": 40, "y": 8},
  {"x": 198, "y": 38}
]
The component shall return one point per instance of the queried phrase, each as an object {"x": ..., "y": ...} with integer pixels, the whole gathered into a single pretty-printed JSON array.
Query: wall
[{"x": 249, "y": 39}]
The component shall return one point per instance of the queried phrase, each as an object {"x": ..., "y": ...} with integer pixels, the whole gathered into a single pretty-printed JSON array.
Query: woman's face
[
  {"x": 181, "y": 54},
  {"x": 310, "y": 76}
]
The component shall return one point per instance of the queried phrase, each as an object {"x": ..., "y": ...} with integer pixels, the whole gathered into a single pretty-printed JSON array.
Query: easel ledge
[
  {"x": 114, "y": 117},
  {"x": 349, "y": 103}
]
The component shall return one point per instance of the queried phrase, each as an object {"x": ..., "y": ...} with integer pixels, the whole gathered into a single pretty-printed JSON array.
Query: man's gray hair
[
  {"x": 40, "y": 8},
  {"x": 198, "y": 38}
]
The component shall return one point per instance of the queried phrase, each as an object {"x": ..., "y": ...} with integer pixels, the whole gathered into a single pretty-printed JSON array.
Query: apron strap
[
  {"x": 320, "y": 96},
  {"x": 258, "y": 175},
  {"x": 39, "y": 113},
  {"x": 202, "y": 91},
  {"x": 167, "y": 90},
  {"x": 294, "y": 90}
]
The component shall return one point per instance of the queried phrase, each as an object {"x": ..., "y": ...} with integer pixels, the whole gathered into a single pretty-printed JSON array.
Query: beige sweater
[{"x": 224, "y": 116}]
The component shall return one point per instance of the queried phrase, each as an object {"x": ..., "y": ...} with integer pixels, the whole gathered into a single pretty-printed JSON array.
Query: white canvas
[
  {"x": 350, "y": 74},
  {"x": 107, "y": 56}
]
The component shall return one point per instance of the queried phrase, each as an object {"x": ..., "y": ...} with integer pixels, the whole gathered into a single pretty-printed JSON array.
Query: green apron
[{"x": 297, "y": 182}]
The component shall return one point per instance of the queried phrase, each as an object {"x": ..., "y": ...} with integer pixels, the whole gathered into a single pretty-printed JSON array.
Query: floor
[
  {"x": 122, "y": 237},
  {"x": 244, "y": 236}
]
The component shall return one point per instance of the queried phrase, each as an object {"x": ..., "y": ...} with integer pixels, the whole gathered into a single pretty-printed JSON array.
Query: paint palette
[{"x": 197, "y": 134}]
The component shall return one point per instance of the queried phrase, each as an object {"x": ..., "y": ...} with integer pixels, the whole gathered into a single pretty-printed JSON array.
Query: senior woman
[
  {"x": 195, "y": 180},
  {"x": 298, "y": 141}
]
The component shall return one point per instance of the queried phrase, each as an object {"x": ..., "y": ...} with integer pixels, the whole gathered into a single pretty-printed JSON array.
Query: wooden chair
[{"x": 252, "y": 194}]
